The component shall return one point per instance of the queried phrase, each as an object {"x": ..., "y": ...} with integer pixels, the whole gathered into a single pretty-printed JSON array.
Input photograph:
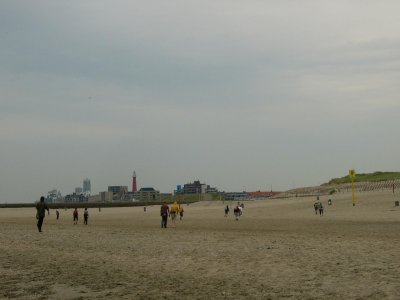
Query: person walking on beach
[
  {"x": 75, "y": 215},
  {"x": 173, "y": 212},
  {"x": 236, "y": 212},
  {"x": 226, "y": 211},
  {"x": 57, "y": 214},
  {"x": 180, "y": 209},
  {"x": 41, "y": 208},
  {"x": 164, "y": 212},
  {"x": 321, "y": 209},
  {"x": 316, "y": 206},
  {"x": 241, "y": 207},
  {"x": 85, "y": 216}
]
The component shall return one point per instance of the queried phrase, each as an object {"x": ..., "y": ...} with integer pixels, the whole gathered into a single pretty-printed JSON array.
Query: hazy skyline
[{"x": 235, "y": 94}]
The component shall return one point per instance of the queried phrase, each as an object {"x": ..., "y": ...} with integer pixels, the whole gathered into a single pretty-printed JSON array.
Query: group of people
[
  {"x": 41, "y": 208},
  {"x": 319, "y": 207},
  {"x": 237, "y": 211},
  {"x": 75, "y": 215},
  {"x": 166, "y": 212}
]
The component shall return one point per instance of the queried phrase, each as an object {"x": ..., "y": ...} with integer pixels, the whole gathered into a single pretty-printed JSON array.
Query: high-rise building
[
  {"x": 134, "y": 187},
  {"x": 86, "y": 186}
]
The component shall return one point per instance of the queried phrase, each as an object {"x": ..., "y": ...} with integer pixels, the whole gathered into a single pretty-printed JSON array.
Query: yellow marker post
[{"x": 352, "y": 175}]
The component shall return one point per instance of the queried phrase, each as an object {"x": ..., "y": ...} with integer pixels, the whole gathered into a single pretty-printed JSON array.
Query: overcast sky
[{"x": 237, "y": 94}]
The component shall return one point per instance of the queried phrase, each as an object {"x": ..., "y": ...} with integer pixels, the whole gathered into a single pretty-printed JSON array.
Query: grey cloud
[{"x": 276, "y": 92}]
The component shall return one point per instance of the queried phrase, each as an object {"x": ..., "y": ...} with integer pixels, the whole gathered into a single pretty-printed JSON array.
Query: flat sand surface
[{"x": 279, "y": 249}]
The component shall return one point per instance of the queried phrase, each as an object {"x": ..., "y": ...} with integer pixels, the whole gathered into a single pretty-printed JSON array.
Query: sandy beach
[{"x": 279, "y": 249}]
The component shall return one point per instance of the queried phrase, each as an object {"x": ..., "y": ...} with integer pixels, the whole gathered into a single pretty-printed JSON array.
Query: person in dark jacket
[
  {"x": 321, "y": 209},
  {"x": 164, "y": 212},
  {"x": 226, "y": 211},
  {"x": 85, "y": 216},
  {"x": 41, "y": 208}
]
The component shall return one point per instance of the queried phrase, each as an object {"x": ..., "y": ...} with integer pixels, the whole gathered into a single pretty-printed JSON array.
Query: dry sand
[{"x": 278, "y": 249}]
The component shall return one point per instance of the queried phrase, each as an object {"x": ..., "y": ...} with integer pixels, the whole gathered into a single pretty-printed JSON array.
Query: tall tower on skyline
[
  {"x": 86, "y": 186},
  {"x": 134, "y": 187}
]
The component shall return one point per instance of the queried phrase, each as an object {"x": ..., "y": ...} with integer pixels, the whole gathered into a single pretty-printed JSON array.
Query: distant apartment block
[
  {"x": 118, "y": 191},
  {"x": 236, "y": 196},
  {"x": 211, "y": 190},
  {"x": 197, "y": 188},
  {"x": 94, "y": 198},
  {"x": 144, "y": 194},
  {"x": 106, "y": 196},
  {"x": 147, "y": 194},
  {"x": 54, "y": 196},
  {"x": 128, "y": 197},
  {"x": 76, "y": 198},
  {"x": 78, "y": 190}
]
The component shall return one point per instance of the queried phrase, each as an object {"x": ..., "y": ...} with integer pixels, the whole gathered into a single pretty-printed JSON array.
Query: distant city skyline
[
  {"x": 86, "y": 186},
  {"x": 237, "y": 94}
]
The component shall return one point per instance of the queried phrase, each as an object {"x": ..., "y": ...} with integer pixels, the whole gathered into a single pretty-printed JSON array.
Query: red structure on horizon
[{"x": 134, "y": 187}]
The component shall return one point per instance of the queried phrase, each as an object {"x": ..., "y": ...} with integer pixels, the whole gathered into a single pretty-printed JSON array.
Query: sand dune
[{"x": 278, "y": 249}]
